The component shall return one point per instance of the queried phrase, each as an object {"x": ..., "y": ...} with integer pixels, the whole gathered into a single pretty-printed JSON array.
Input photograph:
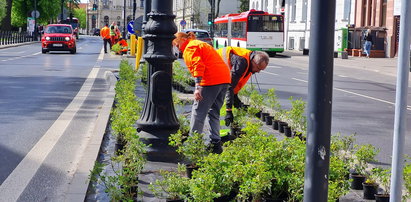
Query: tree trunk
[{"x": 6, "y": 22}]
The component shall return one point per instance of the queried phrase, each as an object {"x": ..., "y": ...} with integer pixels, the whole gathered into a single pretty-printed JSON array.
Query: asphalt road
[
  {"x": 40, "y": 96},
  {"x": 363, "y": 97}
]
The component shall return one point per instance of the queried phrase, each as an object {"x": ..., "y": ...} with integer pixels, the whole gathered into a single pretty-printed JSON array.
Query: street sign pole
[{"x": 400, "y": 120}]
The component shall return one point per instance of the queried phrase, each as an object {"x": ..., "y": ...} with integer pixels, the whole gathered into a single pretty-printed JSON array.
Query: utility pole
[
  {"x": 62, "y": 10},
  {"x": 35, "y": 21},
  {"x": 319, "y": 111},
  {"x": 212, "y": 18},
  {"x": 400, "y": 121},
  {"x": 124, "y": 20}
]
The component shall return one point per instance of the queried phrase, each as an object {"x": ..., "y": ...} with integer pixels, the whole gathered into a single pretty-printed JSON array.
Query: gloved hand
[
  {"x": 237, "y": 102},
  {"x": 229, "y": 118}
]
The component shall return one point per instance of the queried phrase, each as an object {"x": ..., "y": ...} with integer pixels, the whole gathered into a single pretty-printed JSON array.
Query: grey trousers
[{"x": 213, "y": 99}]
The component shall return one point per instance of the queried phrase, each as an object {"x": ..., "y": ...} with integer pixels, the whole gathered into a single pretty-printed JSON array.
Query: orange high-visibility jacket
[
  {"x": 123, "y": 44},
  {"x": 202, "y": 60},
  {"x": 105, "y": 32},
  {"x": 242, "y": 52}
]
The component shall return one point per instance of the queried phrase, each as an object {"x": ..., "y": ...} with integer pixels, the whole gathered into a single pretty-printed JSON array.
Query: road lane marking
[
  {"x": 23, "y": 56},
  {"x": 17, "y": 181},
  {"x": 358, "y": 94},
  {"x": 269, "y": 73}
]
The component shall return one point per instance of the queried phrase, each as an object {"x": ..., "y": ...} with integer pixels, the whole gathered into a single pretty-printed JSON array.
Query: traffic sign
[
  {"x": 130, "y": 27},
  {"x": 183, "y": 23},
  {"x": 35, "y": 14}
]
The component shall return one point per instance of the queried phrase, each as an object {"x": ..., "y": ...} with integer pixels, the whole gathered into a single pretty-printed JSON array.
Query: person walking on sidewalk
[
  {"x": 242, "y": 63},
  {"x": 105, "y": 34},
  {"x": 368, "y": 43},
  {"x": 212, "y": 78}
]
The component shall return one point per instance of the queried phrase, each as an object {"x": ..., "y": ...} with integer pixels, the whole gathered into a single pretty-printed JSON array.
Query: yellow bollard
[
  {"x": 140, "y": 44},
  {"x": 133, "y": 45}
]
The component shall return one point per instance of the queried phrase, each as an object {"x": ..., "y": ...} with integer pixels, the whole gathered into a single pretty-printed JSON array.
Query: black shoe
[
  {"x": 227, "y": 138},
  {"x": 216, "y": 148}
]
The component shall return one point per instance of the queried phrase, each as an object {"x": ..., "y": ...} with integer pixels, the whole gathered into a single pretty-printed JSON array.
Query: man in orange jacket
[
  {"x": 243, "y": 63},
  {"x": 105, "y": 34},
  {"x": 212, "y": 77}
]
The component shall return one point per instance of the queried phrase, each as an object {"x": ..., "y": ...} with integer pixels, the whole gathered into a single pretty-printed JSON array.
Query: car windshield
[
  {"x": 58, "y": 29},
  {"x": 202, "y": 35}
]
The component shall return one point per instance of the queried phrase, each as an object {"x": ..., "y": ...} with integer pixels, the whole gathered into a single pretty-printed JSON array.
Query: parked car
[
  {"x": 58, "y": 37},
  {"x": 96, "y": 32},
  {"x": 201, "y": 34}
]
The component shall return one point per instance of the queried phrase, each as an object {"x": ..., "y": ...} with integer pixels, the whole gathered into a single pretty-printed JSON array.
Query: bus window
[{"x": 265, "y": 23}]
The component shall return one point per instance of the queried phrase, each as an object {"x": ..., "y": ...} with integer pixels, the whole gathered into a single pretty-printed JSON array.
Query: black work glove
[
  {"x": 229, "y": 118},
  {"x": 238, "y": 104}
]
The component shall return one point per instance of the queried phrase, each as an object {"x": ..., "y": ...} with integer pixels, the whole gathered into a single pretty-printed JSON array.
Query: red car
[{"x": 58, "y": 37}]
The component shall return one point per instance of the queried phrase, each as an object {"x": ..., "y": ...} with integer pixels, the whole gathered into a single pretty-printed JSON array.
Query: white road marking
[
  {"x": 269, "y": 73},
  {"x": 23, "y": 56},
  {"x": 17, "y": 181},
  {"x": 358, "y": 94}
]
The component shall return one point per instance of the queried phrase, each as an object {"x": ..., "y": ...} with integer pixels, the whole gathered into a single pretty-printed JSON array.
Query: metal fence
[{"x": 14, "y": 37}]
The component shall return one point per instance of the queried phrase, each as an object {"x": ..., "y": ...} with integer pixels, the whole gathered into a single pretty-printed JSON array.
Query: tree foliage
[
  {"x": 217, "y": 7},
  {"x": 80, "y": 14},
  {"x": 244, "y": 5},
  {"x": 49, "y": 10},
  {"x": 3, "y": 5}
]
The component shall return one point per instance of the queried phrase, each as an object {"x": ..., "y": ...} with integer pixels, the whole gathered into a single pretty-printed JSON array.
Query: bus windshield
[{"x": 265, "y": 23}]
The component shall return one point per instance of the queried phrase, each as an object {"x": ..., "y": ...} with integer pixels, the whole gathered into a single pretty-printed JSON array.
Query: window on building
[
  {"x": 266, "y": 5},
  {"x": 384, "y": 13},
  {"x": 257, "y": 7},
  {"x": 253, "y": 7},
  {"x": 347, "y": 8},
  {"x": 304, "y": 10},
  {"x": 293, "y": 12},
  {"x": 291, "y": 43},
  {"x": 106, "y": 20}
]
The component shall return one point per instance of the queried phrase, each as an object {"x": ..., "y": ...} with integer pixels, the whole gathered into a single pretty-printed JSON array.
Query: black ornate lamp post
[{"x": 158, "y": 119}]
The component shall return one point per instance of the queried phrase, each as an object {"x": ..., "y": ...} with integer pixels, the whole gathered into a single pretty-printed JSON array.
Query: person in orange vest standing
[
  {"x": 242, "y": 63},
  {"x": 105, "y": 34},
  {"x": 212, "y": 77}
]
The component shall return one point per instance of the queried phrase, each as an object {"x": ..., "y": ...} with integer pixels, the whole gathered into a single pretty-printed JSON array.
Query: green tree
[
  {"x": 5, "y": 23},
  {"x": 244, "y": 5},
  {"x": 3, "y": 6},
  {"x": 217, "y": 7},
  {"x": 80, "y": 14},
  {"x": 49, "y": 10}
]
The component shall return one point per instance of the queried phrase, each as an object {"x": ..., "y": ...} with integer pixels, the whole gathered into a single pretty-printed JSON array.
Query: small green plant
[
  {"x": 116, "y": 48},
  {"x": 343, "y": 147},
  {"x": 383, "y": 177},
  {"x": 274, "y": 104},
  {"x": 363, "y": 155},
  {"x": 193, "y": 148},
  {"x": 407, "y": 181},
  {"x": 173, "y": 185},
  {"x": 296, "y": 115}
]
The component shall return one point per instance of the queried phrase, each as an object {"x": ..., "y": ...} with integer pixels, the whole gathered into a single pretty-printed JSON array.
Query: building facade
[
  {"x": 352, "y": 19},
  {"x": 109, "y": 11}
]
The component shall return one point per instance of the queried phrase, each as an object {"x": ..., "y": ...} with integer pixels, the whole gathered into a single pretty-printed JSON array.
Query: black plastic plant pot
[
  {"x": 370, "y": 189},
  {"x": 269, "y": 120},
  {"x": 276, "y": 124},
  {"x": 231, "y": 196},
  {"x": 287, "y": 131},
  {"x": 357, "y": 181},
  {"x": 258, "y": 114},
  {"x": 190, "y": 168},
  {"x": 281, "y": 127},
  {"x": 382, "y": 197},
  {"x": 174, "y": 200},
  {"x": 264, "y": 115}
]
